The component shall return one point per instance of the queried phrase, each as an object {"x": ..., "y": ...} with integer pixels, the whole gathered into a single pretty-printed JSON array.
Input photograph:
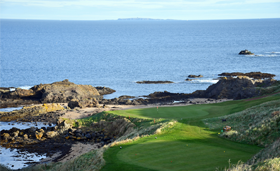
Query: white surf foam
[
  {"x": 22, "y": 125},
  {"x": 22, "y": 87},
  {"x": 203, "y": 81},
  {"x": 25, "y": 87},
  {"x": 14, "y": 159}
]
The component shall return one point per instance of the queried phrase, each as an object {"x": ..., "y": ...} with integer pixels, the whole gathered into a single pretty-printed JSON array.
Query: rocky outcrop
[
  {"x": 245, "y": 52},
  {"x": 254, "y": 75},
  {"x": 64, "y": 91},
  {"x": 195, "y": 76},
  {"x": 83, "y": 103},
  {"x": 231, "y": 88},
  {"x": 57, "y": 92},
  {"x": 105, "y": 90},
  {"x": 154, "y": 82},
  {"x": 30, "y": 112}
]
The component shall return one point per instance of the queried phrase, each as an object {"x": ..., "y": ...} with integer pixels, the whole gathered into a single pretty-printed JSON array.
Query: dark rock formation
[
  {"x": 154, "y": 82},
  {"x": 28, "y": 114},
  {"x": 58, "y": 92},
  {"x": 195, "y": 76},
  {"x": 245, "y": 52},
  {"x": 104, "y": 90},
  {"x": 231, "y": 88},
  {"x": 64, "y": 91},
  {"x": 254, "y": 75},
  {"x": 189, "y": 79},
  {"x": 83, "y": 103}
]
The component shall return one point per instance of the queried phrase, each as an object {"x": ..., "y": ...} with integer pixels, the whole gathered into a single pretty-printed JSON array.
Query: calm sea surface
[{"x": 116, "y": 54}]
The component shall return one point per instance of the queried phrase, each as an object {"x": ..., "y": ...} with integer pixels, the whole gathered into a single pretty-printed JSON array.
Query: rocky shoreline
[{"x": 52, "y": 103}]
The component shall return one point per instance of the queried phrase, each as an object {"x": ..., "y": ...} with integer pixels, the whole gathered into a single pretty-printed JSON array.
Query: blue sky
[{"x": 160, "y": 9}]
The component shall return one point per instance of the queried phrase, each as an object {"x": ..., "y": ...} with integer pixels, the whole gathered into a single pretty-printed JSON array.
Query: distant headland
[{"x": 142, "y": 19}]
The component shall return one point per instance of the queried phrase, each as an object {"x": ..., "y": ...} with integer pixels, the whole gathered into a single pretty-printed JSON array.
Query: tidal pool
[{"x": 13, "y": 158}]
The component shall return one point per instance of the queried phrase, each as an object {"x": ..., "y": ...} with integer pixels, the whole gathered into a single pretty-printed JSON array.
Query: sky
[{"x": 157, "y": 9}]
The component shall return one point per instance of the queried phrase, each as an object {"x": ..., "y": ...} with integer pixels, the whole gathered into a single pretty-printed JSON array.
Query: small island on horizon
[{"x": 142, "y": 19}]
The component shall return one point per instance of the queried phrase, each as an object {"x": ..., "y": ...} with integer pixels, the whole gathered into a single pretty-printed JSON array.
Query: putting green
[{"x": 166, "y": 112}]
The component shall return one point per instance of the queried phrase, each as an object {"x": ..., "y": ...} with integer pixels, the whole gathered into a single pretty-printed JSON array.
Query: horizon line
[{"x": 124, "y": 19}]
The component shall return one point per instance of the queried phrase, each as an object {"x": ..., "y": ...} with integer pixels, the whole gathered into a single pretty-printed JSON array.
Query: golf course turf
[{"x": 189, "y": 145}]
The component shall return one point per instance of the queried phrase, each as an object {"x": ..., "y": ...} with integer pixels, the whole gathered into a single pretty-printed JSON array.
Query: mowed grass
[{"x": 190, "y": 145}]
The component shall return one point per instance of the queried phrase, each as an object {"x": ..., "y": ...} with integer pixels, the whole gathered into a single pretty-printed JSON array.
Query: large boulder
[
  {"x": 64, "y": 91},
  {"x": 104, "y": 90},
  {"x": 231, "y": 88},
  {"x": 92, "y": 102}
]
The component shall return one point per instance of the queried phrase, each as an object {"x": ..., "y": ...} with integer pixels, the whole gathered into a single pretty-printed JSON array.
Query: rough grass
[
  {"x": 257, "y": 125},
  {"x": 269, "y": 90}
]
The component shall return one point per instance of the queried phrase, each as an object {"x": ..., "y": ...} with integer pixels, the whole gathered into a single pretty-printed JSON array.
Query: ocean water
[{"x": 116, "y": 54}]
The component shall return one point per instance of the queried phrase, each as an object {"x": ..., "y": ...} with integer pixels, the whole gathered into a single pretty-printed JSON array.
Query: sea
[{"x": 117, "y": 53}]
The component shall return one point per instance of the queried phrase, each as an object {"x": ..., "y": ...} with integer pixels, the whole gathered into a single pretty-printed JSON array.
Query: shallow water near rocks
[
  {"x": 14, "y": 158},
  {"x": 9, "y": 109},
  {"x": 22, "y": 125}
]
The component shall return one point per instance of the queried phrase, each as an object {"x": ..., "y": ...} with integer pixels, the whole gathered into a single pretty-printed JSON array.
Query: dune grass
[{"x": 189, "y": 145}]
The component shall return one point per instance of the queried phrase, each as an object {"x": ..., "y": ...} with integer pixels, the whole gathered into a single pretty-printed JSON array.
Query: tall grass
[{"x": 257, "y": 125}]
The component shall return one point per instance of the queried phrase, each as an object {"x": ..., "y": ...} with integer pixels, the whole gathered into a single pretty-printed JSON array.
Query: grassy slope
[{"x": 189, "y": 145}]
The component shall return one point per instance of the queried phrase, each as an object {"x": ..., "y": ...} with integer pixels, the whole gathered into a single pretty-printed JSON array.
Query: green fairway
[{"x": 190, "y": 145}]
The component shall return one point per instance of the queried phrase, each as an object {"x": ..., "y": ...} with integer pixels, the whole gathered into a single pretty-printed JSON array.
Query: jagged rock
[
  {"x": 64, "y": 91},
  {"x": 6, "y": 136},
  {"x": 25, "y": 137},
  {"x": 63, "y": 126},
  {"x": 26, "y": 112},
  {"x": 232, "y": 88},
  {"x": 254, "y": 75},
  {"x": 74, "y": 103},
  {"x": 83, "y": 103},
  {"x": 245, "y": 52},
  {"x": 154, "y": 82},
  {"x": 195, "y": 76},
  {"x": 104, "y": 90},
  {"x": 15, "y": 134},
  {"x": 51, "y": 134},
  {"x": 39, "y": 134}
]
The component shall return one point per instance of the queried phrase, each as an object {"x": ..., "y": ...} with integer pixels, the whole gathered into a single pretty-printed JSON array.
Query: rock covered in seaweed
[
  {"x": 154, "y": 82},
  {"x": 245, "y": 52}
]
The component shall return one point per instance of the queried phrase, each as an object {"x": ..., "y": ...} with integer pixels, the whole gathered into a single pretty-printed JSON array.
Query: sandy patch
[{"x": 77, "y": 150}]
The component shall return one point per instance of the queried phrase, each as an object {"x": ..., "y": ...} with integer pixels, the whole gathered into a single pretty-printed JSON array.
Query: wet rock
[
  {"x": 154, "y": 82},
  {"x": 245, "y": 52},
  {"x": 15, "y": 134},
  {"x": 254, "y": 75},
  {"x": 230, "y": 88},
  {"x": 51, "y": 134},
  {"x": 6, "y": 136},
  {"x": 39, "y": 134},
  {"x": 83, "y": 103},
  {"x": 25, "y": 137},
  {"x": 195, "y": 76},
  {"x": 104, "y": 90}
]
